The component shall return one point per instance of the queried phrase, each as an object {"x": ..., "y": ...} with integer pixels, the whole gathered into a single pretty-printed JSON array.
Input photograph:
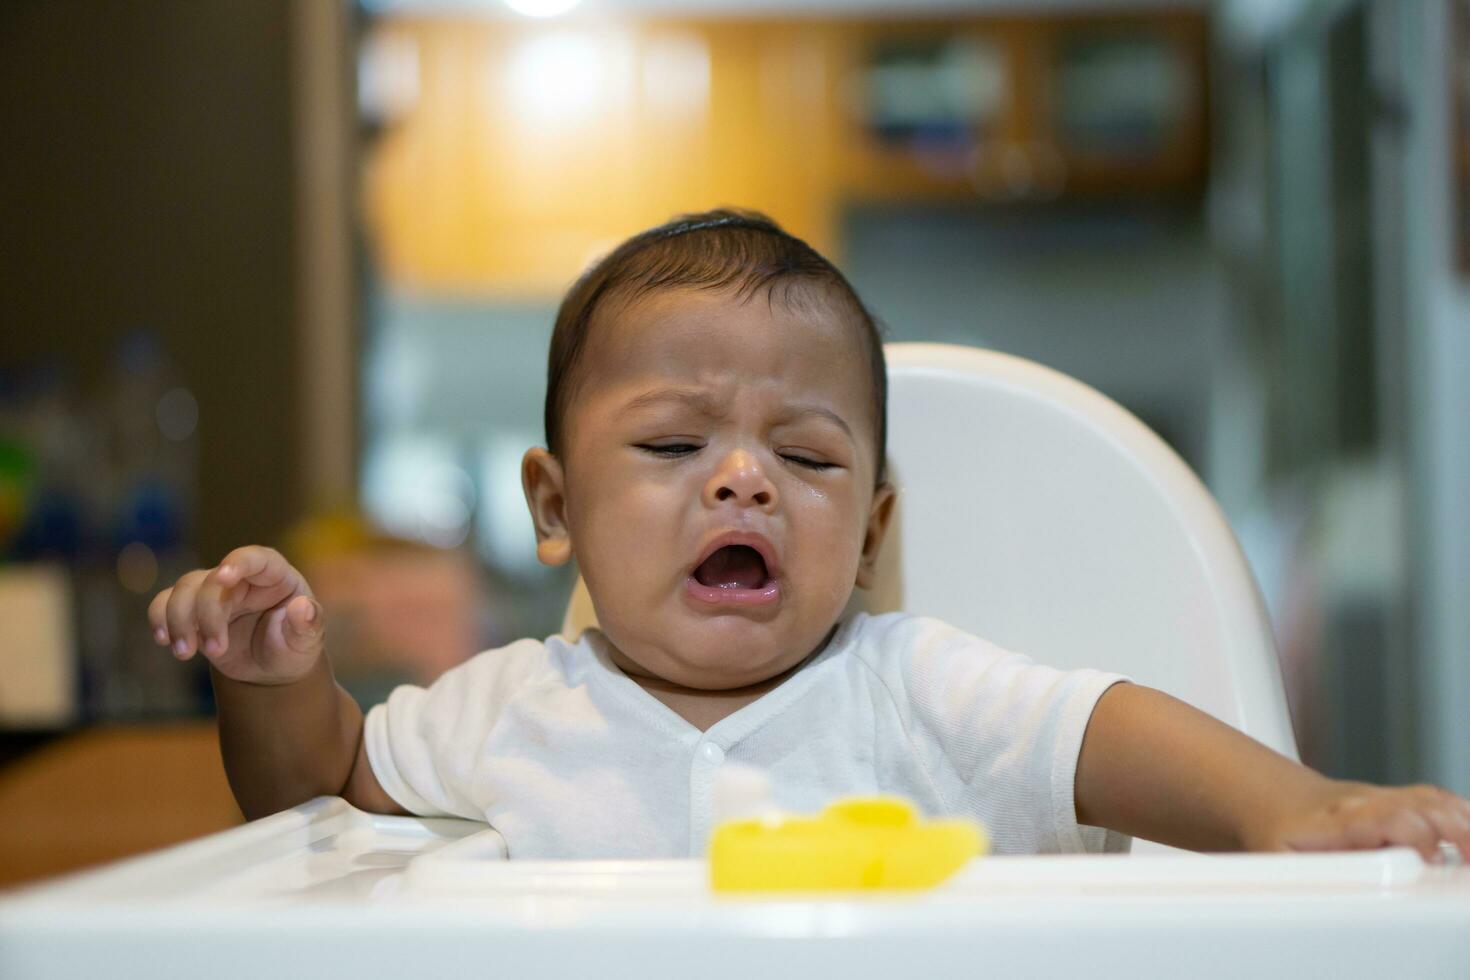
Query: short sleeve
[
  {"x": 421, "y": 741},
  {"x": 1001, "y": 735}
]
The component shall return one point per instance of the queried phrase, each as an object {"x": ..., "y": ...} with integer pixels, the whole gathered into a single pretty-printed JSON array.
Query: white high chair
[
  {"x": 1041, "y": 515},
  {"x": 1033, "y": 511}
]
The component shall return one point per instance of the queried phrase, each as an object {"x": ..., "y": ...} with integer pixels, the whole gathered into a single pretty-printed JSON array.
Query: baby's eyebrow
[
  {"x": 696, "y": 399},
  {"x": 707, "y": 405},
  {"x": 801, "y": 411}
]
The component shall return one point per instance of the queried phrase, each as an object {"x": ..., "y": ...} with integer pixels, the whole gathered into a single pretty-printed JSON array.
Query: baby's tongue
[{"x": 732, "y": 567}]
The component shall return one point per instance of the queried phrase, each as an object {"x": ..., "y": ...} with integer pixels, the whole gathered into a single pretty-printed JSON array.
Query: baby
[{"x": 715, "y": 426}]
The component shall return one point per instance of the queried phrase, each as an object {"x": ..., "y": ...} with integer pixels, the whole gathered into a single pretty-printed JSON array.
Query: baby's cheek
[{"x": 834, "y": 555}]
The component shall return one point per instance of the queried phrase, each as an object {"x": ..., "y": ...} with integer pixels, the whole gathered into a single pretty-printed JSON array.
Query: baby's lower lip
[{"x": 763, "y": 596}]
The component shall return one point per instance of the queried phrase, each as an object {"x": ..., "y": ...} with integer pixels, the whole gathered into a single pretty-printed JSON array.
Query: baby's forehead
[
  {"x": 709, "y": 354},
  {"x": 809, "y": 320}
]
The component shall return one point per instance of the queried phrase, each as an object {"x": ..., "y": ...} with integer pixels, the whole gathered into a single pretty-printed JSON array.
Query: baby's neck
[{"x": 705, "y": 709}]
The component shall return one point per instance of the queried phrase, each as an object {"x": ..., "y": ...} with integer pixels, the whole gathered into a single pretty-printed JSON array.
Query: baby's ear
[
  {"x": 879, "y": 517},
  {"x": 544, "y": 481}
]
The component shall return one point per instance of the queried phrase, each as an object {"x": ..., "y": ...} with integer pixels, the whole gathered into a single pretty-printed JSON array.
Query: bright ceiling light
[
  {"x": 541, "y": 8},
  {"x": 559, "y": 79}
]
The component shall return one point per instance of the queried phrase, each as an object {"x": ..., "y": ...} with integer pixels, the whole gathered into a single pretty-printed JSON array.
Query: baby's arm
[
  {"x": 287, "y": 731},
  {"x": 1154, "y": 767},
  {"x": 285, "y": 744}
]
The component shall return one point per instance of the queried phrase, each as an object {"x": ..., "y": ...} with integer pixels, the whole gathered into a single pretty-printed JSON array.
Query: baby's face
[{"x": 717, "y": 482}]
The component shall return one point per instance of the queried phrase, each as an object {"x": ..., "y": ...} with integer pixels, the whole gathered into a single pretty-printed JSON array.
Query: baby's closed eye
[
  {"x": 675, "y": 450},
  {"x": 668, "y": 450},
  {"x": 807, "y": 461}
]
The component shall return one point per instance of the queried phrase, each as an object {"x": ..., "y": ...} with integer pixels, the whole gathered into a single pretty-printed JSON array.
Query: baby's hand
[
  {"x": 1353, "y": 816},
  {"x": 253, "y": 617}
]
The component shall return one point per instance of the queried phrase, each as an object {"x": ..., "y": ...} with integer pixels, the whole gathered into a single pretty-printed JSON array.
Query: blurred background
[{"x": 284, "y": 271}]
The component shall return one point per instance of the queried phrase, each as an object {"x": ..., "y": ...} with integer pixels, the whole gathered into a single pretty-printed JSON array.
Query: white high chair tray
[{"x": 327, "y": 890}]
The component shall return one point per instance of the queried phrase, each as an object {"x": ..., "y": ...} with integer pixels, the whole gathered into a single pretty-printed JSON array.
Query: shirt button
[{"x": 711, "y": 753}]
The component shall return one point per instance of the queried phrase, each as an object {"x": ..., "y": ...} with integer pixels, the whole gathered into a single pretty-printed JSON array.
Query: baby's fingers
[
  {"x": 1329, "y": 832},
  {"x": 1413, "y": 829},
  {"x": 303, "y": 627},
  {"x": 213, "y": 606},
  {"x": 1450, "y": 816},
  {"x": 157, "y": 618},
  {"x": 180, "y": 616},
  {"x": 1371, "y": 819},
  {"x": 254, "y": 564}
]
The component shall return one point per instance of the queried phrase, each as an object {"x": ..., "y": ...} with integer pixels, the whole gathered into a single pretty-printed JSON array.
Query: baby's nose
[{"x": 741, "y": 479}]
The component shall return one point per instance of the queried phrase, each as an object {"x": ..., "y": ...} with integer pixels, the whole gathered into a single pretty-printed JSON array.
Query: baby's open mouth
[{"x": 735, "y": 566}]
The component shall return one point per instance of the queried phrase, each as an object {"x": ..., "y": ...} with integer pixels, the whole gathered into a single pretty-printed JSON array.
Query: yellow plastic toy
[{"x": 862, "y": 843}]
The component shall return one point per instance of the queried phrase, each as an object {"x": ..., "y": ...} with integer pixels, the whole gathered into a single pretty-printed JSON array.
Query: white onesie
[{"x": 568, "y": 757}]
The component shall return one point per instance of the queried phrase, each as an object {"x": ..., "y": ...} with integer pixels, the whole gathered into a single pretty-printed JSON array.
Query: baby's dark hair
[{"x": 722, "y": 249}]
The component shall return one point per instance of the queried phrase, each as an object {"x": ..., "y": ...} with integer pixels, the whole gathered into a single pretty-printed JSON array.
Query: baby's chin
[{"x": 714, "y": 662}]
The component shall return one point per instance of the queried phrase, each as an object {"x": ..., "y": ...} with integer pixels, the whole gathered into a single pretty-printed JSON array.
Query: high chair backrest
[{"x": 1041, "y": 515}]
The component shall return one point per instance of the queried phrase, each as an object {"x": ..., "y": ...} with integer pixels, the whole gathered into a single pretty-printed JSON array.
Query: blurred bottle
[
  {"x": 143, "y": 490},
  {"x": 17, "y": 467},
  {"x": 52, "y": 427}
]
